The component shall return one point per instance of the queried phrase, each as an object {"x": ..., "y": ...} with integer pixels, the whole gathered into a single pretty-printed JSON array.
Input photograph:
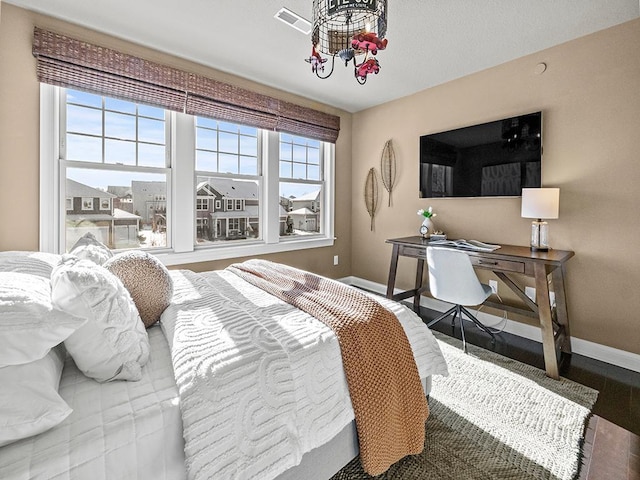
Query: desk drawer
[
  {"x": 494, "y": 264},
  {"x": 416, "y": 252}
]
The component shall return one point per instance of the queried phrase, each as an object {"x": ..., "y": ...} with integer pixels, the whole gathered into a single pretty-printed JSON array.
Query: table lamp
[{"x": 540, "y": 203}]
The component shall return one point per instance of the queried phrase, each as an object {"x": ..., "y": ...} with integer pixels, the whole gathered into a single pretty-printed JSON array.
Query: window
[
  {"x": 87, "y": 203},
  {"x": 233, "y": 225},
  {"x": 117, "y": 153},
  {"x": 228, "y": 165},
  {"x": 109, "y": 145},
  {"x": 301, "y": 185},
  {"x": 227, "y": 148},
  {"x": 202, "y": 204}
]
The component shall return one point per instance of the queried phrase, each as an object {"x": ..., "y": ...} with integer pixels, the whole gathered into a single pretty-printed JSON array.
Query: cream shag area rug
[{"x": 495, "y": 418}]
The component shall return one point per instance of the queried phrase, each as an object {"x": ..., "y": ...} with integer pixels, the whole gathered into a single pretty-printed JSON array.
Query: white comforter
[
  {"x": 117, "y": 430},
  {"x": 260, "y": 381},
  {"x": 277, "y": 384}
]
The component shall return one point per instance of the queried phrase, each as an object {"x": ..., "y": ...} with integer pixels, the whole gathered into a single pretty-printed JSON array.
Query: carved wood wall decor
[
  {"x": 371, "y": 194},
  {"x": 388, "y": 168}
]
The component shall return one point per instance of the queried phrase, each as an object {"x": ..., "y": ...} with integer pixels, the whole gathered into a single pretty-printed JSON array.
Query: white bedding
[
  {"x": 117, "y": 430},
  {"x": 260, "y": 382},
  {"x": 279, "y": 391}
]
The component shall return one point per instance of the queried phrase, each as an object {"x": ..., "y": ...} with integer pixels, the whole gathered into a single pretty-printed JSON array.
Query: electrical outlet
[
  {"x": 335, "y": 259},
  {"x": 494, "y": 286},
  {"x": 530, "y": 292}
]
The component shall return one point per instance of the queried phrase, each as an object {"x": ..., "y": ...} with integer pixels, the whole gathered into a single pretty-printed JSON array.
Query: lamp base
[
  {"x": 540, "y": 249},
  {"x": 539, "y": 236}
]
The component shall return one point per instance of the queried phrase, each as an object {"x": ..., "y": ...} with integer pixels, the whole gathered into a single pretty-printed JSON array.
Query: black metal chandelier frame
[{"x": 348, "y": 29}]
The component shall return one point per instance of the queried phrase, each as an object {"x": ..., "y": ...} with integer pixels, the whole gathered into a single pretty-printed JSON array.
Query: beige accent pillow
[
  {"x": 113, "y": 344},
  {"x": 147, "y": 280},
  {"x": 89, "y": 248}
]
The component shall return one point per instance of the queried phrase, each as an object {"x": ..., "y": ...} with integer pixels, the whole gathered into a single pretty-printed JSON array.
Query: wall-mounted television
[{"x": 494, "y": 159}]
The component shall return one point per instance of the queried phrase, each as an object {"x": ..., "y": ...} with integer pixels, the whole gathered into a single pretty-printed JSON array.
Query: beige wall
[
  {"x": 590, "y": 98},
  {"x": 19, "y": 141}
]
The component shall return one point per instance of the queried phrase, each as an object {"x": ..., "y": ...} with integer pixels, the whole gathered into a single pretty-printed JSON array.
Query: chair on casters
[{"x": 453, "y": 280}]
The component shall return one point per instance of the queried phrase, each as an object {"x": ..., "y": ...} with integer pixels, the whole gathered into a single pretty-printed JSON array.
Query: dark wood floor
[{"x": 612, "y": 441}]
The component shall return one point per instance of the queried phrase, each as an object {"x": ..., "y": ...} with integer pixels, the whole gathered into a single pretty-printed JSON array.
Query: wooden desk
[{"x": 503, "y": 262}]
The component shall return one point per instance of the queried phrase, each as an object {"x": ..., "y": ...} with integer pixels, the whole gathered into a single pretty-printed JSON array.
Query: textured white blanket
[{"x": 260, "y": 381}]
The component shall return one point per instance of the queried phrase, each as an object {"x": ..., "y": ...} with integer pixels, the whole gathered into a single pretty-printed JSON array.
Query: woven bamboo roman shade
[{"x": 68, "y": 62}]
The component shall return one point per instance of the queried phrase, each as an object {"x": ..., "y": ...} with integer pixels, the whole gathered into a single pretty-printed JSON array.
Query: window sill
[{"x": 208, "y": 254}]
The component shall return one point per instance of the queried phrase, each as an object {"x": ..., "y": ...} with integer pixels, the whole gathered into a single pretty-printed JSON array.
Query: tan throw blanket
[{"x": 388, "y": 401}]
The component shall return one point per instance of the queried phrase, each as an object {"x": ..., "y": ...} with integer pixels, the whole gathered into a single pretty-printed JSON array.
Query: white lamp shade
[{"x": 540, "y": 202}]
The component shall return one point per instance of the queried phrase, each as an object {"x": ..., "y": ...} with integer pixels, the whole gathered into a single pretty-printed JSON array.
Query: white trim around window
[
  {"x": 50, "y": 201},
  {"x": 87, "y": 203},
  {"x": 181, "y": 184}
]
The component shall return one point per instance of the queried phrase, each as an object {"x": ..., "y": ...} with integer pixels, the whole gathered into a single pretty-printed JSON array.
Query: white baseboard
[{"x": 620, "y": 358}]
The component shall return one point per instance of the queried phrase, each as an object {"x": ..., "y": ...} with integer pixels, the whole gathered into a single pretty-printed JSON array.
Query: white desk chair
[{"x": 453, "y": 280}]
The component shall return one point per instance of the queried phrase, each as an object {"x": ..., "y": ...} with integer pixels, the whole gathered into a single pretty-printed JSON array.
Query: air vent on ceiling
[{"x": 294, "y": 20}]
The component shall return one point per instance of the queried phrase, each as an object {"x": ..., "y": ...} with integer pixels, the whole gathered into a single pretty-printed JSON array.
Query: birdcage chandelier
[{"x": 353, "y": 31}]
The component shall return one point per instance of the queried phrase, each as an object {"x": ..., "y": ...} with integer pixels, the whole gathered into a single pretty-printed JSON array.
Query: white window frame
[
  {"x": 89, "y": 202},
  {"x": 58, "y": 95},
  {"x": 202, "y": 204},
  {"x": 108, "y": 204},
  {"x": 181, "y": 210},
  {"x": 68, "y": 203},
  {"x": 322, "y": 183}
]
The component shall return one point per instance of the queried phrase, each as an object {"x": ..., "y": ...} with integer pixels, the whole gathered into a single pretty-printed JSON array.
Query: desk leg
[
  {"x": 546, "y": 323},
  {"x": 557, "y": 277},
  {"x": 419, "y": 275},
  {"x": 393, "y": 267}
]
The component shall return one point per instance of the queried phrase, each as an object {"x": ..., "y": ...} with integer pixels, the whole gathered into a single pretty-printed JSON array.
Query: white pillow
[
  {"x": 29, "y": 325},
  {"x": 33, "y": 263},
  {"x": 89, "y": 248},
  {"x": 113, "y": 344},
  {"x": 29, "y": 400}
]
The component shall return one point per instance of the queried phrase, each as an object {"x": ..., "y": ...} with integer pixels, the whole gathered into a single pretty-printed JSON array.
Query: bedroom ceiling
[{"x": 430, "y": 42}]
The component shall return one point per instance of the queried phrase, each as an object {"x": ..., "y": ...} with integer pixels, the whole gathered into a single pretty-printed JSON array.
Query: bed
[{"x": 267, "y": 354}]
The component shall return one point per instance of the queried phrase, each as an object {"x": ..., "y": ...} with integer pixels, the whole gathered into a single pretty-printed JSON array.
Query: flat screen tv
[{"x": 494, "y": 159}]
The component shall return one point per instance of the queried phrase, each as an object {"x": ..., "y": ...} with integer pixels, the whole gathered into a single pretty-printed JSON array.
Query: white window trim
[
  {"x": 182, "y": 210},
  {"x": 87, "y": 199},
  {"x": 50, "y": 203},
  {"x": 108, "y": 207},
  {"x": 202, "y": 204}
]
